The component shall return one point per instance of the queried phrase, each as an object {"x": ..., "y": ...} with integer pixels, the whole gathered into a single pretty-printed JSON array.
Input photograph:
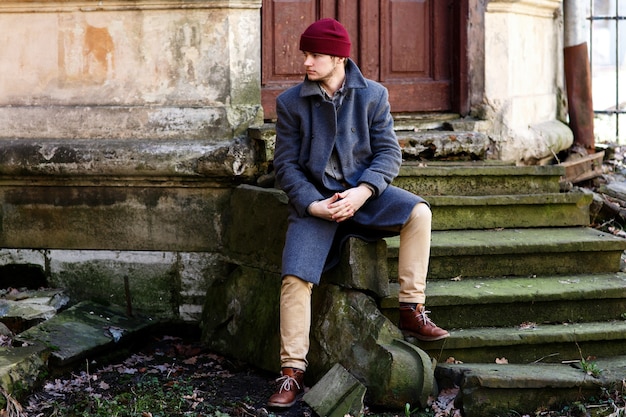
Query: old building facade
[{"x": 125, "y": 123}]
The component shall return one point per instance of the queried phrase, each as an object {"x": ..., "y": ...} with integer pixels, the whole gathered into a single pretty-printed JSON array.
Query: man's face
[{"x": 320, "y": 67}]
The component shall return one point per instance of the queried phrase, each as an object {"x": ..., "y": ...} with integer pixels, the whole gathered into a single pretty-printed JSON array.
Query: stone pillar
[{"x": 524, "y": 87}]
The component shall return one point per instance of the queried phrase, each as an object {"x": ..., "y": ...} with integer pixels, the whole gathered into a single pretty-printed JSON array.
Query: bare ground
[
  {"x": 183, "y": 379},
  {"x": 173, "y": 376},
  {"x": 206, "y": 384}
]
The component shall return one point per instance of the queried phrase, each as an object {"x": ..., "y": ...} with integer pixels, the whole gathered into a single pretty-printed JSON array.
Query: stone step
[
  {"x": 548, "y": 343},
  {"x": 518, "y": 252},
  {"x": 478, "y": 178},
  {"x": 507, "y": 211},
  {"x": 418, "y": 122},
  {"x": 521, "y": 389},
  {"x": 511, "y": 301}
]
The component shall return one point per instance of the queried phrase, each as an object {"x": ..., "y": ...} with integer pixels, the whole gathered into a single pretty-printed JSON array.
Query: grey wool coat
[{"x": 308, "y": 127}]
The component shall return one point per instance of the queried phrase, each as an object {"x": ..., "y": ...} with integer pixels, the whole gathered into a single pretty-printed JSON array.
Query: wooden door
[{"x": 407, "y": 45}]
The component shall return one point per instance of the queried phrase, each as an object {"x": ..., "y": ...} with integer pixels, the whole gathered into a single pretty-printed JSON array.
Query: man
[{"x": 336, "y": 155}]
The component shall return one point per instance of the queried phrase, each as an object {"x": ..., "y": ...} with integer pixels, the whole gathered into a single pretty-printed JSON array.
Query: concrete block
[
  {"x": 337, "y": 394},
  {"x": 21, "y": 368},
  {"x": 100, "y": 275},
  {"x": 254, "y": 230},
  {"x": 363, "y": 266}
]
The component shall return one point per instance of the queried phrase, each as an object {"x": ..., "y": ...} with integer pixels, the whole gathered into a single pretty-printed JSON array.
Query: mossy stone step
[
  {"x": 512, "y": 389},
  {"x": 531, "y": 343},
  {"x": 85, "y": 329},
  {"x": 518, "y": 252},
  {"x": 509, "y": 211},
  {"x": 478, "y": 178},
  {"x": 509, "y": 301}
]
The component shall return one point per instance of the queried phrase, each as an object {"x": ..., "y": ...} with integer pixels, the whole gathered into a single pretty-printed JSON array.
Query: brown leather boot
[
  {"x": 291, "y": 384},
  {"x": 414, "y": 322}
]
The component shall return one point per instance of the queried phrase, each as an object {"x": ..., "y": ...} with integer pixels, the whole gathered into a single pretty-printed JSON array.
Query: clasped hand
[{"x": 341, "y": 206}]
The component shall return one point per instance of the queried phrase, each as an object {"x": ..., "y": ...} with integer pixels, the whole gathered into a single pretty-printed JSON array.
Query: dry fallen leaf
[
  {"x": 191, "y": 361},
  {"x": 127, "y": 371},
  {"x": 443, "y": 406}
]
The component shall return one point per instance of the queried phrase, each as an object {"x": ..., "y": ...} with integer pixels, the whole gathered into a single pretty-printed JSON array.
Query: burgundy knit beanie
[{"x": 326, "y": 36}]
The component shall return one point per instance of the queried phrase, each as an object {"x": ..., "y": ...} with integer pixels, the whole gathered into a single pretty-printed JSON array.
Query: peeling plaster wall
[{"x": 90, "y": 69}]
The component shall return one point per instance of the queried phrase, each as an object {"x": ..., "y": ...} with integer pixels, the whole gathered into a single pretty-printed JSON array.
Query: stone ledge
[
  {"x": 186, "y": 118},
  {"x": 97, "y": 5},
  {"x": 130, "y": 159},
  {"x": 539, "y": 8}
]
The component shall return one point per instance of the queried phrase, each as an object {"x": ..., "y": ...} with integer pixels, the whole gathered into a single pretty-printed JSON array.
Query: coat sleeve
[
  {"x": 386, "y": 152},
  {"x": 290, "y": 175}
]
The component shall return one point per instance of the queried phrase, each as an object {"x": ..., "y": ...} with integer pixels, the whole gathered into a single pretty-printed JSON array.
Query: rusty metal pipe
[{"x": 578, "y": 75}]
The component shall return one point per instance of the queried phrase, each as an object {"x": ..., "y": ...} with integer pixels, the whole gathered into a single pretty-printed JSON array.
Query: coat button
[{"x": 353, "y": 129}]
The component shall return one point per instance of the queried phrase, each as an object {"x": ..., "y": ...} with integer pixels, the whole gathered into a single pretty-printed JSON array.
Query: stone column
[{"x": 524, "y": 86}]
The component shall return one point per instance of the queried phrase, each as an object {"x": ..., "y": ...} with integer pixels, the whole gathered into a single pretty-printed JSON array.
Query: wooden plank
[{"x": 585, "y": 168}]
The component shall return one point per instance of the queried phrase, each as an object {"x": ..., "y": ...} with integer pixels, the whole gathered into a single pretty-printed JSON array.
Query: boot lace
[
  {"x": 423, "y": 314},
  {"x": 286, "y": 383}
]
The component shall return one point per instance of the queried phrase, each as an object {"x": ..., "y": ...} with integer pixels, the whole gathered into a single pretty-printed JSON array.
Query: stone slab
[
  {"x": 513, "y": 241},
  {"x": 84, "y": 329},
  {"x": 510, "y": 211},
  {"x": 32, "y": 305},
  {"x": 479, "y": 178},
  {"x": 515, "y": 289},
  {"x": 363, "y": 266}
]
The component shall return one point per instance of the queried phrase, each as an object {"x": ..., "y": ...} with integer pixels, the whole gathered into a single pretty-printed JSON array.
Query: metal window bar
[{"x": 616, "y": 111}]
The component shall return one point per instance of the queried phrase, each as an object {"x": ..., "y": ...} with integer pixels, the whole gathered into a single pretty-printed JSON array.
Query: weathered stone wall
[
  {"x": 123, "y": 133},
  {"x": 91, "y": 215}
]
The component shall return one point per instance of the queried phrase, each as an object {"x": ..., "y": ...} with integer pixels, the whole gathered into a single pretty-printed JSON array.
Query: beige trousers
[{"x": 295, "y": 293}]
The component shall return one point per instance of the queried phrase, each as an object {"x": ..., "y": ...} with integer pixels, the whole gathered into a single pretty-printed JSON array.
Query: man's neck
[{"x": 335, "y": 82}]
